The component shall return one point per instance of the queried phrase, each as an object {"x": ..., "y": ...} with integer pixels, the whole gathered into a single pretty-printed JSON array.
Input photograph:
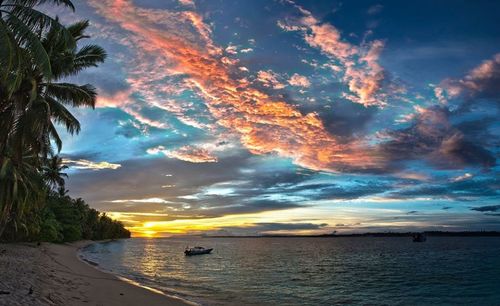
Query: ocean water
[{"x": 312, "y": 271}]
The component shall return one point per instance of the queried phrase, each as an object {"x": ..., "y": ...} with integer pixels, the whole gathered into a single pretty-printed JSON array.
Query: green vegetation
[{"x": 36, "y": 54}]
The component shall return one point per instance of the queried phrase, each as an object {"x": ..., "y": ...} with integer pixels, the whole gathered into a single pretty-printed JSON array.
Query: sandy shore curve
[{"x": 52, "y": 274}]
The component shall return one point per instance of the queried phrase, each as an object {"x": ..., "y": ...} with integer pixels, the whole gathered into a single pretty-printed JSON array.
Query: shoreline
[
  {"x": 96, "y": 266},
  {"x": 55, "y": 274}
]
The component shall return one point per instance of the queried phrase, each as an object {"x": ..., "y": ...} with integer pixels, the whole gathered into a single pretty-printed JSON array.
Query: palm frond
[
  {"x": 39, "y": 22},
  {"x": 71, "y": 94},
  {"x": 62, "y": 115},
  {"x": 6, "y": 51},
  {"x": 34, "y": 47},
  {"x": 90, "y": 56},
  {"x": 86, "y": 57},
  {"x": 77, "y": 29},
  {"x": 55, "y": 137},
  {"x": 11, "y": 62},
  {"x": 32, "y": 3}
]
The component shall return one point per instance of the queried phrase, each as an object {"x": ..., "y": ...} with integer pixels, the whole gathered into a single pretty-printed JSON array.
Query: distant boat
[
  {"x": 419, "y": 237},
  {"x": 197, "y": 251}
]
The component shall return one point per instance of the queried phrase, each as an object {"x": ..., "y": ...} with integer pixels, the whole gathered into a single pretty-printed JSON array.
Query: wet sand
[{"x": 52, "y": 274}]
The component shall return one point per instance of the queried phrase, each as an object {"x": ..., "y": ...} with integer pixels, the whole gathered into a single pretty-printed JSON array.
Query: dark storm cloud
[
  {"x": 141, "y": 207},
  {"x": 128, "y": 188},
  {"x": 251, "y": 206},
  {"x": 327, "y": 191},
  {"x": 341, "y": 118},
  {"x": 445, "y": 137},
  {"x": 178, "y": 189},
  {"x": 433, "y": 137},
  {"x": 145, "y": 212},
  {"x": 480, "y": 83},
  {"x": 87, "y": 155},
  {"x": 456, "y": 152},
  {"x": 335, "y": 192},
  {"x": 487, "y": 208},
  {"x": 288, "y": 183},
  {"x": 419, "y": 139},
  {"x": 478, "y": 129},
  {"x": 144, "y": 178},
  {"x": 277, "y": 179},
  {"x": 457, "y": 135},
  {"x": 287, "y": 226}
]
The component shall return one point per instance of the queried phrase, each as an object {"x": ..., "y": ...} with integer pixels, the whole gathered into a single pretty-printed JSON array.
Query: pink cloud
[
  {"x": 118, "y": 99},
  {"x": 299, "y": 80},
  {"x": 482, "y": 79},
  {"x": 361, "y": 71},
  {"x": 264, "y": 125},
  {"x": 188, "y": 3}
]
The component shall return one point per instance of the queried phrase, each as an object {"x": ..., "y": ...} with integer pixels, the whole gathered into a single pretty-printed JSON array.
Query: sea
[{"x": 311, "y": 271}]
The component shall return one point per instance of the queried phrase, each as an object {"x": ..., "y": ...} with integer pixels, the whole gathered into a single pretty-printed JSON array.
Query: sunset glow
[{"x": 300, "y": 117}]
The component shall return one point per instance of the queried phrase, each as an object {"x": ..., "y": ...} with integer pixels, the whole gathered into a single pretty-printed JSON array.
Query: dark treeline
[
  {"x": 37, "y": 55},
  {"x": 387, "y": 234},
  {"x": 63, "y": 219}
]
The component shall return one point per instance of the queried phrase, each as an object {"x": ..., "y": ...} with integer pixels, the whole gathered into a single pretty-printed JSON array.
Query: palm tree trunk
[{"x": 5, "y": 217}]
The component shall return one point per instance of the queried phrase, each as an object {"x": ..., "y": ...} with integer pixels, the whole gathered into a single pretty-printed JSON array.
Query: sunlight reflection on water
[{"x": 312, "y": 271}]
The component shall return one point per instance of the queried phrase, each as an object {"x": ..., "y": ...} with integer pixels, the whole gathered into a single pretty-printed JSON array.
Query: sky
[{"x": 301, "y": 117}]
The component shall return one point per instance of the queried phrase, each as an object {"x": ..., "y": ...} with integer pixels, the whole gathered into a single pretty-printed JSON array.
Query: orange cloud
[
  {"x": 264, "y": 125},
  {"x": 270, "y": 79},
  {"x": 361, "y": 71}
]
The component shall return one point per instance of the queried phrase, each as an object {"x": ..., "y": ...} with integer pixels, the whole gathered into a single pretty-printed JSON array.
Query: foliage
[
  {"x": 51, "y": 229},
  {"x": 78, "y": 221},
  {"x": 37, "y": 53}
]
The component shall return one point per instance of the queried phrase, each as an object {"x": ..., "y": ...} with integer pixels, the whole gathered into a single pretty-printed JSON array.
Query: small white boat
[{"x": 197, "y": 251}]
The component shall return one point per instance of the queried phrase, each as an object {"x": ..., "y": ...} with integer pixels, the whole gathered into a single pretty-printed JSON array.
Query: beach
[{"x": 52, "y": 274}]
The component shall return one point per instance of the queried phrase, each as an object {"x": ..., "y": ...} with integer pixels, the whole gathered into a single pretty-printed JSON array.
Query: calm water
[{"x": 312, "y": 271}]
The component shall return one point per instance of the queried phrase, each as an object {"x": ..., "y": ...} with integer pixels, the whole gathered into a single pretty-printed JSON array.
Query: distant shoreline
[{"x": 405, "y": 234}]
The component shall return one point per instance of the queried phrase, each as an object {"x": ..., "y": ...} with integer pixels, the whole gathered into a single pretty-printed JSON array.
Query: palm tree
[
  {"x": 29, "y": 114},
  {"x": 21, "y": 52},
  {"x": 53, "y": 172},
  {"x": 21, "y": 189},
  {"x": 20, "y": 27},
  {"x": 45, "y": 104},
  {"x": 56, "y": 96}
]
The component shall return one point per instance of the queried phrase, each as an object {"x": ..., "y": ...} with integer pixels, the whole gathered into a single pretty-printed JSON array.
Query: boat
[
  {"x": 197, "y": 251},
  {"x": 419, "y": 237}
]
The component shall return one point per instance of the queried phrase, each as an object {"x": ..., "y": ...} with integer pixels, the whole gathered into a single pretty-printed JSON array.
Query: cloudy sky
[{"x": 251, "y": 117}]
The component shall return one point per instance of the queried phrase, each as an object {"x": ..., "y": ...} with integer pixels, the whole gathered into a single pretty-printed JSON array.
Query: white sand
[{"x": 51, "y": 274}]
